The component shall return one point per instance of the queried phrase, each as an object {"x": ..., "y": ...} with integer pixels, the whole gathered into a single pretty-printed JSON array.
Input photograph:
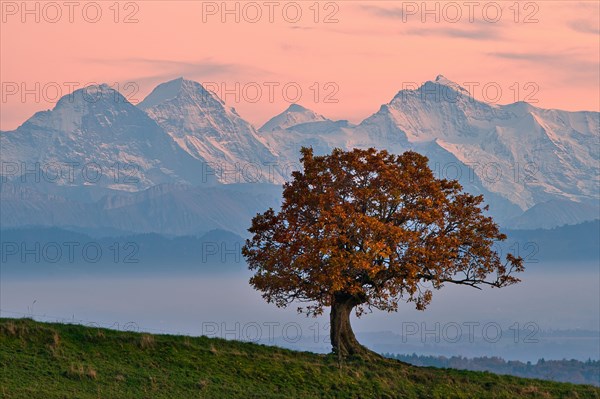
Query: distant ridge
[{"x": 535, "y": 167}]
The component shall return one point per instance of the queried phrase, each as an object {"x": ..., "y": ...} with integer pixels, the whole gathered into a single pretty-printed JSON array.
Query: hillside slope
[{"x": 47, "y": 361}]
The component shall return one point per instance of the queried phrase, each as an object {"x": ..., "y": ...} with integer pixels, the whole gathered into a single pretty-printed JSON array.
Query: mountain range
[{"x": 184, "y": 162}]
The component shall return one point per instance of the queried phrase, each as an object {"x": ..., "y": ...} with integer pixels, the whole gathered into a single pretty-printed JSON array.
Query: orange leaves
[{"x": 373, "y": 224}]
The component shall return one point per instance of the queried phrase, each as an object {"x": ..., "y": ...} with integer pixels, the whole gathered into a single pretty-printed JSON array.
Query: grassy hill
[{"x": 44, "y": 360}]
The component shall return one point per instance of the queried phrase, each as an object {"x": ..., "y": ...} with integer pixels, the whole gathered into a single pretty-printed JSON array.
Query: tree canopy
[{"x": 368, "y": 229}]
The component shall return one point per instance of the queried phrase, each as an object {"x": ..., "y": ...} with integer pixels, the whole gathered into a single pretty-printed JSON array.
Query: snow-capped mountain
[
  {"x": 94, "y": 137},
  {"x": 322, "y": 136},
  {"x": 294, "y": 115},
  {"x": 535, "y": 167},
  {"x": 517, "y": 155},
  {"x": 211, "y": 132},
  {"x": 528, "y": 154}
]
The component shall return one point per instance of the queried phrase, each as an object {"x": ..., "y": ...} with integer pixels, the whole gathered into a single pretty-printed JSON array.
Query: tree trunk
[{"x": 343, "y": 341}]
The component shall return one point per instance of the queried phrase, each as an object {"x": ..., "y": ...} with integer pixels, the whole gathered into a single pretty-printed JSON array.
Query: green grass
[{"x": 45, "y": 360}]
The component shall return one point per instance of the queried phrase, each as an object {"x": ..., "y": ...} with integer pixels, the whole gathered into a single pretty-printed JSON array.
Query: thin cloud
[
  {"x": 361, "y": 31},
  {"x": 572, "y": 57},
  {"x": 205, "y": 67},
  {"x": 531, "y": 57},
  {"x": 161, "y": 70},
  {"x": 473, "y": 34},
  {"x": 476, "y": 30},
  {"x": 568, "y": 64},
  {"x": 585, "y": 26}
]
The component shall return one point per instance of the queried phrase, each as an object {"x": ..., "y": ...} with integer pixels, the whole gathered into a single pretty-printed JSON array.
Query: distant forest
[{"x": 573, "y": 371}]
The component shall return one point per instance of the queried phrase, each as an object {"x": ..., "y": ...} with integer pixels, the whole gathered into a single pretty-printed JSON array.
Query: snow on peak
[
  {"x": 161, "y": 93},
  {"x": 100, "y": 103},
  {"x": 296, "y": 108},
  {"x": 93, "y": 94},
  {"x": 177, "y": 88},
  {"x": 441, "y": 89},
  {"x": 205, "y": 127},
  {"x": 444, "y": 81},
  {"x": 101, "y": 88},
  {"x": 294, "y": 115},
  {"x": 441, "y": 79}
]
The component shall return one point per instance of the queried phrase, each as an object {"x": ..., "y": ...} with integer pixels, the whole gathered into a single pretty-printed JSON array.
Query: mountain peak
[
  {"x": 431, "y": 89},
  {"x": 94, "y": 88},
  {"x": 441, "y": 79},
  {"x": 92, "y": 94},
  {"x": 206, "y": 128},
  {"x": 296, "y": 108},
  {"x": 295, "y": 114},
  {"x": 176, "y": 88},
  {"x": 444, "y": 81}
]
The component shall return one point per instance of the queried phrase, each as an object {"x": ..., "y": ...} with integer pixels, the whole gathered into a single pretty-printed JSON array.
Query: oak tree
[{"x": 366, "y": 229}]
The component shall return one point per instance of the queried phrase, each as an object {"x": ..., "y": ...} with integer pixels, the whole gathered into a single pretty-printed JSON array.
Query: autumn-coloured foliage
[{"x": 368, "y": 229}]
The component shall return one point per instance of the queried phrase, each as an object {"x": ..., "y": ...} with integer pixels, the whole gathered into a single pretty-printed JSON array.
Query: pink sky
[{"x": 549, "y": 50}]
